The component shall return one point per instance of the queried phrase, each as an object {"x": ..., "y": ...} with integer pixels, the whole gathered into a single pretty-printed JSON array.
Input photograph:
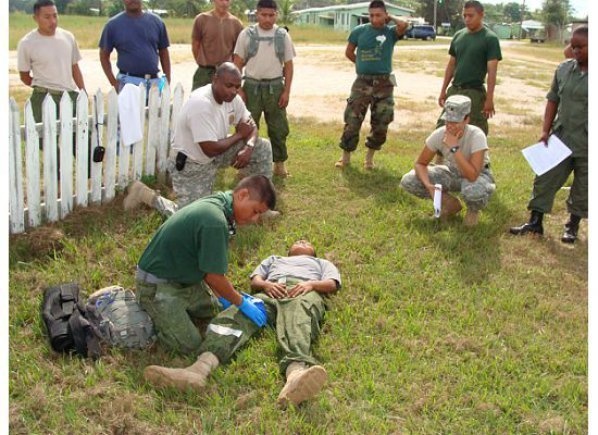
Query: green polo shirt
[
  {"x": 192, "y": 242},
  {"x": 570, "y": 91},
  {"x": 374, "y": 48},
  {"x": 472, "y": 52}
]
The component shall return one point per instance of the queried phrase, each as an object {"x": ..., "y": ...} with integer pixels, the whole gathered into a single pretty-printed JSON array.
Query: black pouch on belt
[{"x": 180, "y": 161}]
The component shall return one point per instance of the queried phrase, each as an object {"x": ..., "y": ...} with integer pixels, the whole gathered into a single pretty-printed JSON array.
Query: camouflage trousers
[
  {"x": 295, "y": 320},
  {"x": 262, "y": 97},
  {"x": 173, "y": 307},
  {"x": 196, "y": 180},
  {"x": 478, "y": 98},
  {"x": 203, "y": 76},
  {"x": 476, "y": 194},
  {"x": 375, "y": 92}
]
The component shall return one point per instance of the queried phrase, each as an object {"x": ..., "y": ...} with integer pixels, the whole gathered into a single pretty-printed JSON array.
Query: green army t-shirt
[
  {"x": 374, "y": 48},
  {"x": 473, "y": 51},
  {"x": 192, "y": 242}
]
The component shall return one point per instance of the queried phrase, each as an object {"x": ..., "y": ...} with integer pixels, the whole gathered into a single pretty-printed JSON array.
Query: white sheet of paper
[
  {"x": 437, "y": 200},
  {"x": 543, "y": 158}
]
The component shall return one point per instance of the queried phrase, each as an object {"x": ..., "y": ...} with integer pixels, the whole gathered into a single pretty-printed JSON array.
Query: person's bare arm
[
  {"x": 449, "y": 72},
  {"x": 25, "y": 77},
  {"x": 223, "y": 288},
  {"x": 279, "y": 290},
  {"x": 421, "y": 169},
  {"x": 549, "y": 114},
  {"x": 350, "y": 52},
  {"x": 287, "y": 73},
  {"x": 401, "y": 26},
  {"x": 78, "y": 77},
  {"x": 165, "y": 62},
  {"x": 107, "y": 67},
  {"x": 488, "y": 109}
]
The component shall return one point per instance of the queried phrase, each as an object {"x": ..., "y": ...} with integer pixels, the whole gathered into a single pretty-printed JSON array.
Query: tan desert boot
[
  {"x": 302, "y": 384},
  {"x": 193, "y": 377},
  {"x": 137, "y": 194},
  {"x": 280, "y": 170},
  {"x": 369, "y": 160},
  {"x": 471, "y": 218},
  {"x": 345, "y": 160},
  {"x": 450, "y": 205}
]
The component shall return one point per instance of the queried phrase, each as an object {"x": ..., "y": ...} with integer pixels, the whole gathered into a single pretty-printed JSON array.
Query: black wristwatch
[{"x": 454, "y": 149}]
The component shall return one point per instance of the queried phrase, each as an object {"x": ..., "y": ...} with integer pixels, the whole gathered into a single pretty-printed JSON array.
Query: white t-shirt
[
  {"x": 202, "y": 119},
  {"x": 49, "y": 58},
  {"x": 473, "y": 140},
  {"x": 265, "y": 65}
]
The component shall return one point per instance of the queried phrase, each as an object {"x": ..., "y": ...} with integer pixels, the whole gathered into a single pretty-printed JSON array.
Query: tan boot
[
  {"x": 302, "y": 384},
  {"x": 471, "y": 218},
  {"x": 450, "y": 205},
  {"x": 137, "y": 194},
  {"x": 193, "y": 377},
  {"x": 280, "y": 170},
  {"x": 369, "y": 160},
  {"x": 345, "y": 160}
]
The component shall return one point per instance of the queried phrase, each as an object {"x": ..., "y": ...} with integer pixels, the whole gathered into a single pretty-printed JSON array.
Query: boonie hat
[{"x": 456, "y": 108}]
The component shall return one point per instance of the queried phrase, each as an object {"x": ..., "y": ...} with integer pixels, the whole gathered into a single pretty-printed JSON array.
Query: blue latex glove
[
  {"x": 255, "y": 309},
  {"x": 224, "y": 302}
]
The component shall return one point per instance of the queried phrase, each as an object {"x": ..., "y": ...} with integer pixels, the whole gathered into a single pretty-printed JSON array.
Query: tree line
[{"x": 557, "y": 12}]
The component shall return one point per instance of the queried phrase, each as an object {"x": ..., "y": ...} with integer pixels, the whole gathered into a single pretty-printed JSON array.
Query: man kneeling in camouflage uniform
[
  {"x": 292, "y": 290},
  {"x": 202, "y": 144},
  {"x": 465, "y": 151}
]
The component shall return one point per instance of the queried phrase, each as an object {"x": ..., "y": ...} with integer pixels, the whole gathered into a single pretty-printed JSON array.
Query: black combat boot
[
  {"x": 534, "y": 226},
  {"x": 571, "y": 228}
]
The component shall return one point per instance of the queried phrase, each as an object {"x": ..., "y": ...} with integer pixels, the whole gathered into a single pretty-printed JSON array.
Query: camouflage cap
[{"x": 456, "y": 108}]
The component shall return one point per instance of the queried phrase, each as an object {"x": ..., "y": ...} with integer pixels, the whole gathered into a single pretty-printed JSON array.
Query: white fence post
[
  {"x": 163, "y": 142},
  {"x": 111, "y": 121},
  {"x": 97, "y": 107},
  {"x": 66, "y": 155},
  {"x": 82, "y": 153},
  {"x": 15, "y": 171},
  {"x": 139, "y": 147},
  {"x": 50, "y": 161},
  {"x": 153, "y": 131},
  {"x": 32, "y": 168}
]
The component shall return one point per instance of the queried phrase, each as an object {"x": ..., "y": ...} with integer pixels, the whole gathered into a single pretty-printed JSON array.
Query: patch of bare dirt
[{"x": 322, "y": 83}]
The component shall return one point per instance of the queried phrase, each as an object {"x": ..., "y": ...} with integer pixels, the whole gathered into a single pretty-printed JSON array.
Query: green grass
[{"x": 437, "y": 329}]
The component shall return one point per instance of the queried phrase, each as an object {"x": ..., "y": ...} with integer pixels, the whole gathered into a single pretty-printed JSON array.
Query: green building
[{"x": 344, "y": 17}]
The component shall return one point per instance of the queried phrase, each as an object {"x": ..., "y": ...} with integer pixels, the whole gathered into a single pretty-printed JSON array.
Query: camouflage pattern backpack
[{"x": 118, "y": 318}]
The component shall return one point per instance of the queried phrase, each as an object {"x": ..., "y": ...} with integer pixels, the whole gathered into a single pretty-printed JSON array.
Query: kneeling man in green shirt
[{"x": 181, "y": 273}]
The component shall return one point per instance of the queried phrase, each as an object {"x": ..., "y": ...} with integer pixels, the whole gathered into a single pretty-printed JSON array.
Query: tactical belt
[
  {"x": 140, "y": 76},
  {"x": 374, "y": 77}
]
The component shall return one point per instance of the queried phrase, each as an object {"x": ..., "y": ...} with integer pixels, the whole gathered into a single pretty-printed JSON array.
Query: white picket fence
[{"x": 38, "y": 194}]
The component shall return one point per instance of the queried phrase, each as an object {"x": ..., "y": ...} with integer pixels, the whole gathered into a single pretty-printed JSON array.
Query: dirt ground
[{"x": 321, "y": 85}]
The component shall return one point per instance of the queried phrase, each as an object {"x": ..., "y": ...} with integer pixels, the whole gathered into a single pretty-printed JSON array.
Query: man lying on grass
[{"x": 291, "y": 288}]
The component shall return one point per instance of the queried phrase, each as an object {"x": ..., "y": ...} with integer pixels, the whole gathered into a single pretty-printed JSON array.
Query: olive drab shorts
[
  {"x": 375, "y": 92},
  {"x": 173, "y": 307},
  {"x": 296, "y": 321}
]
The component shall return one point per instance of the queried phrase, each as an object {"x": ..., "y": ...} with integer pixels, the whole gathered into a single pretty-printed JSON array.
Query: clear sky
[{"x": 581, "y": 6}]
